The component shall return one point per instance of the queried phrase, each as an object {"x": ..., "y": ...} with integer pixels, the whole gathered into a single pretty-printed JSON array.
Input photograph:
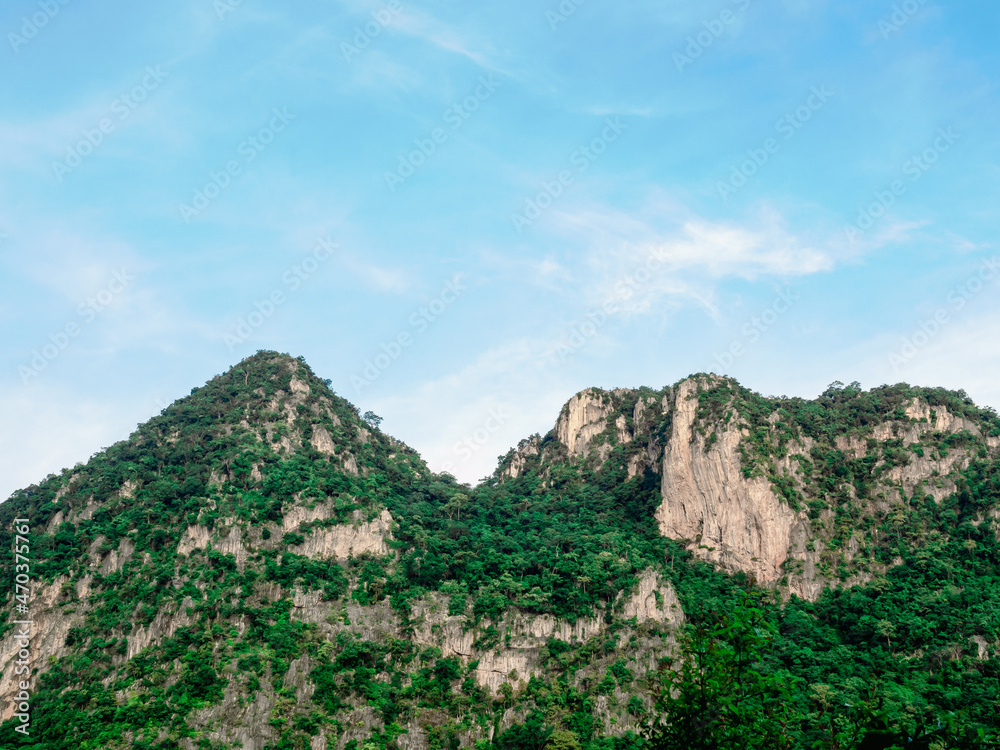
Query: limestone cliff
[
  {"x": 745, "y": 518},
  {"x": 736, "y": 522}
]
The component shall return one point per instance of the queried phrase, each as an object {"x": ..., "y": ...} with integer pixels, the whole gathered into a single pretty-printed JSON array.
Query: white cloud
[
  {"x": 463, "y": 421},
  {"x": 424, "y": 26},
  {"x": 380, "y": 278},
  {"x": 67, "y": 261},
  {"x": 662, "y": 257},
  {"x": 963, "y": 352},
  {"x": 55, "y": 430}
]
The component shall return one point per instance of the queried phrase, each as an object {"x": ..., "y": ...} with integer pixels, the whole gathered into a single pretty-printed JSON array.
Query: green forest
[{"x": 903, "y": 656}]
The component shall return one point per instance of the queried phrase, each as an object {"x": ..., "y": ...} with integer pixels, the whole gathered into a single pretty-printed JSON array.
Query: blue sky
[{"x": 463, "y": 214}]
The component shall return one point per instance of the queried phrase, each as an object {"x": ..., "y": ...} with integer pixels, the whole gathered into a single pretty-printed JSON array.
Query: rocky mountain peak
[
  {"x": 260, "y": 564},
  {"x": 747, "y": 480}
]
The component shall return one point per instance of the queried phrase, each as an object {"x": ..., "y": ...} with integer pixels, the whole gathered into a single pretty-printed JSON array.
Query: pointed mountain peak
[{"x": 232, "y": 434}]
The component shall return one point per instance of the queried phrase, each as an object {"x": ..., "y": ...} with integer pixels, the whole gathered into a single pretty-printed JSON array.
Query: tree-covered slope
[{"x": 261, "y": 566}]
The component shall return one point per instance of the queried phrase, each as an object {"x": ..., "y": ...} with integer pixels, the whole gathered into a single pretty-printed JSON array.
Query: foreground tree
[
  {"x": 718, "y": 694},
  {"x": 715, "y": 695}
]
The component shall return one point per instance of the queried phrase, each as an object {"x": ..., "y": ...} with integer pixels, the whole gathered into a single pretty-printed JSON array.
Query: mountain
[
  {"x": 786, "y": 490},
  {"x": 260, "y": 566}
]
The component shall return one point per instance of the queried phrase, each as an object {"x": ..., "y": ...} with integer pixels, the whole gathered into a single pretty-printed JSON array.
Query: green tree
[
  {"x": 563, "y": 739},
  {"x": 716, "y": 696},
  {"x": 868, "y": 725}
]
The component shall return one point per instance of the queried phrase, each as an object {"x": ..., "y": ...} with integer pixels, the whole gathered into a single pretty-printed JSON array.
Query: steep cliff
[
  {"x": 763, "y": 486},
  {"x": 737, "y": 522}
]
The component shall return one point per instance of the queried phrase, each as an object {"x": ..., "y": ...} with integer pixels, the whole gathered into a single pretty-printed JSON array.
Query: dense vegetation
[{"x": 914, "y": 644}]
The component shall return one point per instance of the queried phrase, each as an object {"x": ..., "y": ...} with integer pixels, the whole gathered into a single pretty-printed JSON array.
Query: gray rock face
[
  {"x": 49, "y": 628},
  {"x": 737, "y": 523},
  {"x": 343, "y": 541},
  {"x": 582, "y": 419},
  {"x": 654, "y": 600}
]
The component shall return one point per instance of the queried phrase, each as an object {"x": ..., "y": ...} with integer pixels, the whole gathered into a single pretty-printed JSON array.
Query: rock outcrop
[
  {"x": 736, "y": 522},
  {"x": 49, "y": 628},
  {"x": 582, "y": 419},
  {"x": 524, "y": 635},
  {"x": 746, "y": 483},
  {"x": 348, "y": 540}
]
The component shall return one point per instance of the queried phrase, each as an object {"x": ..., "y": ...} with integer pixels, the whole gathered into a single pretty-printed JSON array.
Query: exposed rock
[
  {"x": 982, "y": 647},
  {"x": 930, "y": 472},
  {"x": 167, "y": 622},
  {"x": 350, "y": 464},
  {"x": 116, "y": 559},
  {"x": 343, "y": 541},
  {"x": 524, "y": 634},
  {"x": 232, "y": 544},
  {"x": 50, "y": 625},
  {"x": 733, "y": 521},
  {"x": 635, "y": 465},
  {"x": 938, "y": 418},
  {"x": 54, "y": 523},
  {"x": 520, "y": 458},
  {"x": 127, "y": 490},
  {"x": 196, "y": 537},
  {"x": 295, "y": 516},
  {"x": 234, "y": 723},
  {"x": 582, "y": 419},
  {"x": 76, "y": 515},
  {"x": 83, "y": 587},
  {"x": 853, "y": 445},
  {"x": 654, "y": 599},
  {"x": 322, "y": 441},
  {"x": 623, "y": 433}
]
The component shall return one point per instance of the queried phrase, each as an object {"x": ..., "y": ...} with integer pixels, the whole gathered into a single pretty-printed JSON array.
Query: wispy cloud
[
  {"x": 647, "y": 261},
  {"x": 461, "y": 422}
]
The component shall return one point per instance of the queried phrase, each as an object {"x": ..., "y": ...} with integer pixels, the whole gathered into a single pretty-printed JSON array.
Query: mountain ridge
[{"x": 263, "y": 522}]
